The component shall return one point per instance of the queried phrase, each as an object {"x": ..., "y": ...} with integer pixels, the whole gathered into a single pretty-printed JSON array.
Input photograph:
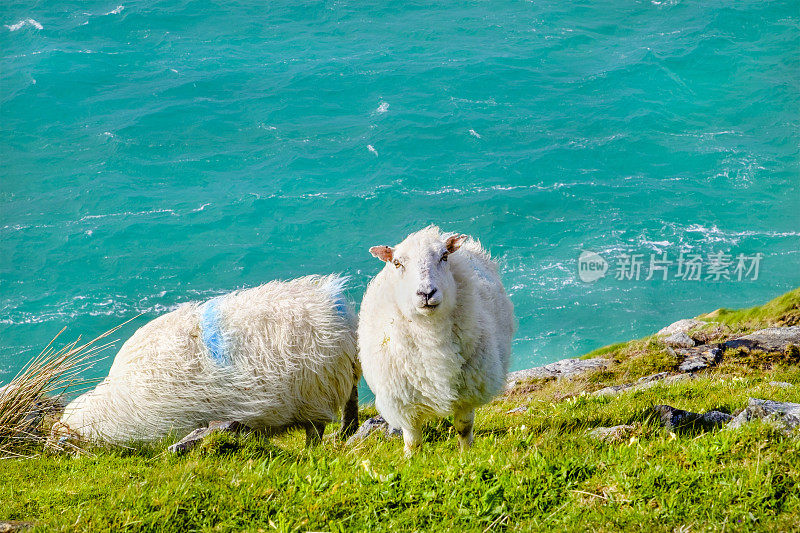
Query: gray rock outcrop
[
  {"x": 678, "y": 377},
  {"x": 784, "y": 415},
  {"x": 9, "y": 526},
  {"x": 680, "y": 420},
  {"x": 612, "y": 434},
  {"x": 644, "y": 383},
  {"x": 196, "y": 437},
  {"x": 679, "y": 340},
  {"x": 698, "y": 358},
  {"x": 372, "y": 425},
  {"x": 681, "y": 326},
  {"x": 613, "y": 390},
  {"x": 768, "y": 340},
  {"x": 559, "y": 369}
]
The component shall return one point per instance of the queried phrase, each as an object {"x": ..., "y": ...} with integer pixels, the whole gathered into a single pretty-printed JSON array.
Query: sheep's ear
[
  {"x": 454, "y": 242},
  {"x": 384, "y": 253}
]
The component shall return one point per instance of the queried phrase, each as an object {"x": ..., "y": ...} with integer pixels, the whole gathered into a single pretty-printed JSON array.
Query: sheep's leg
[
  {"x": 412, "y": 438},
  {"x": 314, "y": 431},
  {"x": 350, "y": 413},
  {"x": 463, "y": 422}
]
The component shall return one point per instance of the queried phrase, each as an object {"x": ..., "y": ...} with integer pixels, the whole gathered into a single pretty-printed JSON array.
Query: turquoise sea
[{"x": 153, "y": 153}]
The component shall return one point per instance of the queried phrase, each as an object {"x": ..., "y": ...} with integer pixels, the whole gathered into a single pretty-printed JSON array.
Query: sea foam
[{"x": 25, "y": 22}]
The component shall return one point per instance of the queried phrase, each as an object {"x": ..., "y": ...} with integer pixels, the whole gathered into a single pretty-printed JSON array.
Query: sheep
[
  {"x": 434, "y": 332},
  {"x": 279, "y": 355}
]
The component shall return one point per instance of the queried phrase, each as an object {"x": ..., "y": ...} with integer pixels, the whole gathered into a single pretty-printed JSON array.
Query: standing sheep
[
  {"x": 435, "y": 332},
  {"x": 275, "y": 356}
]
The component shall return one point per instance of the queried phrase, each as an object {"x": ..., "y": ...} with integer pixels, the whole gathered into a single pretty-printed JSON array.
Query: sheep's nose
[{"x": 426, "y": 295}]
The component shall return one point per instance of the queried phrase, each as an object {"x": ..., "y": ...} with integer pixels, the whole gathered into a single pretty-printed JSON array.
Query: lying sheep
[
  {"x": 275, "y": 356},
  {"x": 434, "y": 332}
]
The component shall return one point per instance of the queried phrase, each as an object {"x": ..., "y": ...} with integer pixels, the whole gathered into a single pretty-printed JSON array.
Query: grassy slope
[
  {"x": 538, "y": 470},
  {"x": 642, "y": 357}
]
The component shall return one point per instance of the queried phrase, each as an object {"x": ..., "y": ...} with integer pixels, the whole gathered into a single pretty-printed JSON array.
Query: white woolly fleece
[
  {"x": 422, "y": 366},
  {"x": 291, "y": 359}
]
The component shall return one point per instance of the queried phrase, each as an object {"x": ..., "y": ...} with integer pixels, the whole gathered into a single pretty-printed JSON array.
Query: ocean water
[{"x": 153, "y": 153}]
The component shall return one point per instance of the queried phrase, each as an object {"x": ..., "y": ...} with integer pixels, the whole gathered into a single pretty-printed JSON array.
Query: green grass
[
  {"x": 782, "y": 311},
  {"x": 534, "y": 471}
]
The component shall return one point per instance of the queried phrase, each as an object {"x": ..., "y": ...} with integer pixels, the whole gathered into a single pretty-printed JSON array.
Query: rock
[
  {"x": 189, "y": 441},
  {"x": 678, "y": 377},
  {"x": 641, "y": 384},
  {"x": 653, "y": 377},
  {"x": 196, "y": 437},
  {"x": 781, "y": 384},
  {"x": 717, "y": 418},
  {"x": 8, "y": 526},
  {"x": 612, "y": 390},
  {"x": 699, "y": 357},
  {"x": 693, "y": 365},
  {"x": 612, "y": 434},
  {"x": 370, "y": 426},
  {"x": 679, "y": 340},
  {"x": 230, "y": 426},
  {"x": 784, "y": 415},
  {"x": 768, "y": 340},
  {"x": 559, "y": 369},
  {"x": 517, "y": 410},
  {"x": 681, "y": 326},
  {"x": 680, "y": 420}
]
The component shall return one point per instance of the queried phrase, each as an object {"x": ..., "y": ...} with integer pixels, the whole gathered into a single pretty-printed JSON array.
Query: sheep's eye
[
  {"x": 444, "y": 256},
  {"x": 397, "y": 264}
]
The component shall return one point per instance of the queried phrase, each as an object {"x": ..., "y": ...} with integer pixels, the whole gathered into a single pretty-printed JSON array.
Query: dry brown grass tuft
[{"x": 37, "y": 390}]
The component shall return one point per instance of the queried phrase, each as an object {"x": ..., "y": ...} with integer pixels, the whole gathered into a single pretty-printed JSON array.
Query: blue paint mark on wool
[
  {"x": 212, "y": 332},
  {"x": 341, "y": 306}
]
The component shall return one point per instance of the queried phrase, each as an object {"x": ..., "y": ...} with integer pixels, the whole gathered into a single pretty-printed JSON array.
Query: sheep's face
[{"x": 421, "y": 278}]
